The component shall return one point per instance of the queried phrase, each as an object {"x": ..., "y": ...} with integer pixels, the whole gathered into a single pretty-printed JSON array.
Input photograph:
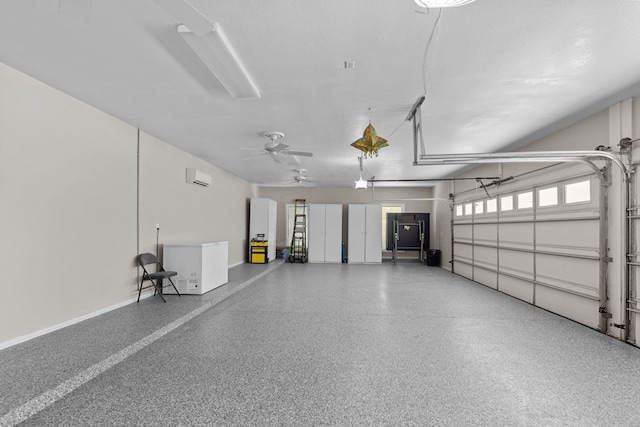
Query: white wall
[
  {"x": 189, "y": 212},
  {"x": 68, "y": 192},
  {"x": 68, "y": 188}
]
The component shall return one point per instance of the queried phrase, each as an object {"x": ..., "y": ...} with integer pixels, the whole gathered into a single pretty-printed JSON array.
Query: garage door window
[
  {"x": 468, "y": 209},
  {"x": 548, "y": 197},
  {"x": 506, "y": 203},
  {"x": 525, "y": 200},
  {"x": 577, "y": 192}
]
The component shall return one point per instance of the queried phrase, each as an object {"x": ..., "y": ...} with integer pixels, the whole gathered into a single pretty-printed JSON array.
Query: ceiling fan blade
[
  {"x": 278, "y": 147},
  {"x": 297, "y": 153}
]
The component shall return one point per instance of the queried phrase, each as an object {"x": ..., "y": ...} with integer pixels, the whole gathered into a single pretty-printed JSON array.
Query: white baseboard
[{"x": 24, "y": 338}]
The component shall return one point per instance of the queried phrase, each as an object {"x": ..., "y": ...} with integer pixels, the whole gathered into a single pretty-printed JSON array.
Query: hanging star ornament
[{"x": 370, "y": 142}]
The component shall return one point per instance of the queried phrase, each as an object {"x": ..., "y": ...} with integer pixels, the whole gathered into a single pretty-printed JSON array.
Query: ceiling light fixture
[
  {"x": 432, "y": 4},
  {"x": 361, "y": 184},
  {"x": 370, "y": 142},
  {"x": 215, "y": 51}
]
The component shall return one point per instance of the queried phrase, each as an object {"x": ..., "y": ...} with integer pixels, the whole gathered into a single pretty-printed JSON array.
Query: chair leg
[
  {"x": 158, "y": 286},
  {"x": 157, "y": 289},
  {"x": 139, "y": 291},
  {"x": 174, "y": 286}
]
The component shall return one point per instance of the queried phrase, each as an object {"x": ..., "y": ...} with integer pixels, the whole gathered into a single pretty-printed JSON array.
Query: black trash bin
[{"x": 433, "y": 257}]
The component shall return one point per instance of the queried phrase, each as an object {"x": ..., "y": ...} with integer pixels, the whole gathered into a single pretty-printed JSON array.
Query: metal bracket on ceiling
[{"x": 415, "y": 116}]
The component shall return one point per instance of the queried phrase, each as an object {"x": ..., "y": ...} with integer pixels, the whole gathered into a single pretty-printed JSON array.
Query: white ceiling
[{"x": 497, "y": 74}]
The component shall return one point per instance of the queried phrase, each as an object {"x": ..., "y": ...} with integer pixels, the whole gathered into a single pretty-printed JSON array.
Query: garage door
[{"x": 537, "y": 239}]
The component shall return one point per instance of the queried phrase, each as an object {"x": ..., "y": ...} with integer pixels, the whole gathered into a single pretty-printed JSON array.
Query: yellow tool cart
[{"x": 259, "y": 250}]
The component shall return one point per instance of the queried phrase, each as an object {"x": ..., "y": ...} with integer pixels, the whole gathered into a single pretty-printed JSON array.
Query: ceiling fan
[
  {"x": 301, "y": 176},
  {"x": 276, "y": 149}
]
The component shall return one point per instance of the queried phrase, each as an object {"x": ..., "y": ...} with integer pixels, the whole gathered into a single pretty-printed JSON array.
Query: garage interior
[{"x": 506, "y": 134}]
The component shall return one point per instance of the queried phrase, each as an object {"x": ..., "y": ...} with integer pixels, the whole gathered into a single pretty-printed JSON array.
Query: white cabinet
[
  {"x": 262, "y": 220},
  {"x": 365, "y": 234},
  {"x": 325, "y": 233},
  {"x": 201, "y": 267}
]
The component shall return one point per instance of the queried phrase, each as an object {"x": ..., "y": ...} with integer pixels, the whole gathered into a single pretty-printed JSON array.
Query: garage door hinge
[
  {"x": 603, "y": 313},
  {"x": 615, "y": 325}
]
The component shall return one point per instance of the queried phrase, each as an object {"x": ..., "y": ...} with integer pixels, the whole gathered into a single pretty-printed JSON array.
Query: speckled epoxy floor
[{"x": 336, "y": 345}]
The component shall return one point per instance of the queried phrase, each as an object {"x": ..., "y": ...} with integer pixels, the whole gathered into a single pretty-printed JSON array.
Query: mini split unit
[{"x": 195, "y": 176}]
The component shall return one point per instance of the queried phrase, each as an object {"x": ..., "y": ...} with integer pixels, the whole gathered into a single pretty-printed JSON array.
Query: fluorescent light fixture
[
  {"x": 432, "y": 4},
  {"x": 217, "y": 54},
  {"x": 361, "y": 184}
]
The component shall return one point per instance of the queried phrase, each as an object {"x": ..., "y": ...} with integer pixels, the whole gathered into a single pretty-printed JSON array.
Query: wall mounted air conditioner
[{"x": 195, "y": 176}]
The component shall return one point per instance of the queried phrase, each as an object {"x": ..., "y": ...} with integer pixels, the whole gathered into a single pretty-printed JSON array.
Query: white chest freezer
[{"x": 201, "y": 267}]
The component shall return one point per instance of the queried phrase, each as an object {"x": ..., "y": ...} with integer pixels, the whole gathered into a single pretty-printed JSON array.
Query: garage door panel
[
  {"x": 518, "y": 288},
  {"x": 486, "y": 233},
  {"x": 488, "y": 256},
  {"x": 570, "y": 273},
  {"x": 463, "y": 251},
  {"x": 516, "y": 262},
  {"x": 574, "y": 307},
  {"x": 517, "y": 233},
  {"x": 463, "y": 269},
  {"x": 463, "y": 232},
  {"x": 578, "y": 233},
  {"x": 485, "y": 277}
]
